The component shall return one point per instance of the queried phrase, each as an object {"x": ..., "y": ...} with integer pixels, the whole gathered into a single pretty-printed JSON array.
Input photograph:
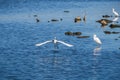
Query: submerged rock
[
  {"x": 115, "y": 32},
  {"x": 114, "y": 26},
  {"x": 116, "y": 39},
  {"x": 61, "y": 19},
  {"x": 35, "y": 15},
  {"x": 107, "y": 32},
  {"x": 66, "y": 11}
]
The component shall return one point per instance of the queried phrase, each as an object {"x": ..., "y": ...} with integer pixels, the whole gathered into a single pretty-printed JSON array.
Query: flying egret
[
  {"x": 115, "y": 19},
  {"x": 96, "y": 39},
  {"x": 54, "y": 41},
  {"x": 115, "y": 13}
]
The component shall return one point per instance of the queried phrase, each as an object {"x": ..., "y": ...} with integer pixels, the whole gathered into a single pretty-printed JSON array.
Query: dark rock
[
  {"x": 61, "y": 19},
  {"x": 116, "y": 39},
  {"x": 68, "y": 33},
  {"x": 107, "y": 32},
  {"x": 104, "y": 21},
  {"x": 84, "y": 18},
  {"x": 77, "y": 19},
  {"x": 83, "y": 36},
  {"x": 106, "y": 16},
  {"x": 37, "y": 20},
  {"x": 115, "y": 32},
  {"x": 66, "y": 11},
  {"x": 35, "y": 15},
  {"x": 114, "y": 26},
  {"x": 54, "y": 20},
  {"x": 73, "y": 33},
  {"x": 77, "y": 33}
]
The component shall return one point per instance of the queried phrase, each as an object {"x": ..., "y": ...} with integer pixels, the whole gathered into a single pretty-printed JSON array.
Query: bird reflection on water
[
  {"x": 97, "y": 50},
  {"x": 96, "y": 64}
]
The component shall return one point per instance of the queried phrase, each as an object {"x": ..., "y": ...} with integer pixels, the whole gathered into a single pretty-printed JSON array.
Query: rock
[
  {"x": 83, "y": 36},
  {"x": 84, "y": 18},
  {"x": 116, "y": 39},
  {"x": 54, "y": 20},
  {"x": 77, "y": 19},
  {"x": 68, "y": 33},
  {"x": 35, "y": 15},
  {"x": 107, "y": 32},
  {"x": 77, "y": 33},
  {"x": 61, "y": 19},
  {"x": 106, "y": 16},
  {"x": 104, "y": 21},
  {"x": 114, "y": 26},
  {"x": 73, "y": 33},
  {"x": 66, "y": 11},
  {"x": 115, "y": 32},
  {"x": 37, "y": 20}
]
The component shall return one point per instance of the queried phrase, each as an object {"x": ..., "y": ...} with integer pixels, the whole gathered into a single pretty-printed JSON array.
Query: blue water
[{"x": 20, "y": 59}]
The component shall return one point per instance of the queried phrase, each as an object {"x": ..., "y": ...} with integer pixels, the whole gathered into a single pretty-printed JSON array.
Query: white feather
[
  {"x": 96, "y": 39},
  {"x": 39, "y": 44},
  {"x": 115, "y": 13},
  {"x": 69, "y": 45},
  {"x": 115, "y": 19},
  {"x": 54, "y": 41}
]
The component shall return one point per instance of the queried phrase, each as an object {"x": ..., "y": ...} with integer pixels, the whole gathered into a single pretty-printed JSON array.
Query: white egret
[
  {"x": 115, "y": 13},
  {"x": 96, "y": 39},
  {"x": 54, "y": 41}
]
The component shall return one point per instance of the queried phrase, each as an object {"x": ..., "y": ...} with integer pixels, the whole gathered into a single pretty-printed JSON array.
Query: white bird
[
  {"x": 54, "y": 41},
  {"x": 115, "y": 13},
  {"x": 96, "y": 39}
]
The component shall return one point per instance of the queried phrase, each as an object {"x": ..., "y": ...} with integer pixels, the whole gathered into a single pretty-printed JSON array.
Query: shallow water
[{"x": 20, "y": 59}]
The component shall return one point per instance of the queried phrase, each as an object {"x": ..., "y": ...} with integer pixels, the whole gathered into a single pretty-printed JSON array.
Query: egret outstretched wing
[
  {"x": 39, "y": 44},
  {"x": 69, "y": 45},
  {"x": 115, "y": 19}
]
